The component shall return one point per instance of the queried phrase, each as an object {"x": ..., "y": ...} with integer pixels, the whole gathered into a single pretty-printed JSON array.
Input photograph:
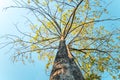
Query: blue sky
[{"x": 35, "y": 71}]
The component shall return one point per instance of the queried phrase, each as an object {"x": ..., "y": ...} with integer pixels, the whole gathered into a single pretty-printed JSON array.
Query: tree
[{"x": 94, "y": 48}]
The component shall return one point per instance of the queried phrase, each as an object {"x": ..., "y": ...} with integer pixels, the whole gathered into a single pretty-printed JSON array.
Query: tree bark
[{"x": 64, "y": 67}]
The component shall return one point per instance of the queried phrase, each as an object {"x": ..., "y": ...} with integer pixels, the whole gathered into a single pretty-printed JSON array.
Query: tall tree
[{"x": 93, "y": 48}]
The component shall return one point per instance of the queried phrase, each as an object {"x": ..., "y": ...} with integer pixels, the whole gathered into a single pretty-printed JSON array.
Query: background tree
[{"x": 95, "y": 48}]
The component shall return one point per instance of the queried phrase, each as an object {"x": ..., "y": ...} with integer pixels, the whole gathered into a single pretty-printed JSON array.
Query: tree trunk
[{"x": 64, "y": 67}]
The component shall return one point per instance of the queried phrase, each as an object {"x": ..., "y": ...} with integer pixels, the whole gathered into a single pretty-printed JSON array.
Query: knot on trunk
[{"x": 62, "y": 38}]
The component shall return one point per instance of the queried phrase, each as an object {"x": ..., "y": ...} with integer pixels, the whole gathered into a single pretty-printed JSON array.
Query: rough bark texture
[{"x": 64, "y": 67}]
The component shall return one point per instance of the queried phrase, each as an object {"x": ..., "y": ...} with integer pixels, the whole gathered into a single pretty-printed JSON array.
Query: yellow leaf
[
  {"x": 118, "y": 67},
  {"x": 33, "y": 47},
  {"x": 87, "y": 55},
  {"x": 35, "y": 37},
  {"x": 101, "y": 68},
  {"x": 47, "y": 65},
  {"x": 38, "y": 51},
  {"x": 114, "y": 77},
  {"x": 45, "y": 3},
  {"x": 60, "y": 10},
  {"x": 37, "y": 1},
  {"x": 88, "y": 66},
  {"x": 28, "y": 1},
  {"x": 69, "y": 0}
]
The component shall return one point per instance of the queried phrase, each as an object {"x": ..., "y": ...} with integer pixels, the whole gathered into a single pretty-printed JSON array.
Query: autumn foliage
[{"x": 95, "y": 48}]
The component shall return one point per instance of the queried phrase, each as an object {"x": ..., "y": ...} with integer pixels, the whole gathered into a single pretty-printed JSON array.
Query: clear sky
[{"x": 35, "y": 71}]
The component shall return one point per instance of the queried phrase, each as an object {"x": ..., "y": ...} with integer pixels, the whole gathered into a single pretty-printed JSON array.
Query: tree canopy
[{"x": 96, "y": 49}]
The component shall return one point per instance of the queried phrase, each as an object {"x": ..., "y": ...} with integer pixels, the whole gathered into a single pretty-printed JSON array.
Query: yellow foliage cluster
[{"x": 83, "y": 25}]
